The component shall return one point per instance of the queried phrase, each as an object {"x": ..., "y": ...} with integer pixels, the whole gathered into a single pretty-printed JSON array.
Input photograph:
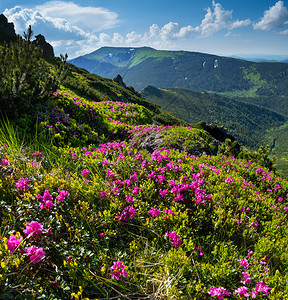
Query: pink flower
[
  {"x": 62, "y": 195},
  {"x": 74, "y": 155},
  {"x": 85, "y": 172},
  {"x": 13, "y": 243},
  {"x": 38, "y": 154},
  {"x": 261, "y": 287},
  {"x": 5, "y": 162},
  {"x": 244, "y": 263},
  {"x": 118, "y": 269},
  {"x": 102, "y": 234},
  {"x": 167, "y": 212},
  {"x": 22, "y": 183},
  {"x": 242, "y": 291},
  {"x": 218, "y": 292},
  {"x": 128, "y": 212},
  {"x": 33, "y": 228},
  {"x": 246, "y": 279},
  {"x": 163, "y": 192},
  {"x": 47, "y": 200},
  {"x": 175, "y": 240},
  {"x": 35, "y": 253},
  {"x": 129, "y": 198},
  {"x": 154, "y": 212},
  {"x": 229, "y": 179},
  {"x": 254, "y": 223},
  {"x": 136, "y": 190}
]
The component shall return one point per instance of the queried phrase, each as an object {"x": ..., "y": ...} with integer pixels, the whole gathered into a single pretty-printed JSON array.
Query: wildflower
[
  {"x": 175, "y": 240},
  {"x": 22, "y": 183},
  {"x": 128, "y": 211},
  {"x": 129, "y": 199},
  {"x": 13, "y": 242},
  {"x": 242, "y": 291},
  {"x": 38, "y": 154},
  {"x": 74, "y": 155},
  {"x": 35, "y": 253},
  {"x": 47, "y": 200},
  {"x": 198, "y": 250},
  {"x": 62, "y": 195},
  {"x": 244, "y": 263},
  {"x": 118, "y": 269},
  {"x": 5, "y": 162},
  {"x": 136, "y": 190},
  {"x": 85, "y": 172},
  {"x": 218, "y": 292},
  {"x": 261, "y": 287},
  {"x": 229, "y": 179},
  {"x": 246, "y": 279},
  {"x": 102, "y": 234},
  {"x": 254, "y": 223},
  {"x": 168, "y": 211},
  {"x": 154, "y": 212},
  {"x": 33, "y": 228}
]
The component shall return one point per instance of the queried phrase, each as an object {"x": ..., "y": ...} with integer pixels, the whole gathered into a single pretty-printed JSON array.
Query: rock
[
  {"x": 47, "y": 49},
  {"x": 118, "y": 79},
  {"x": 7, "y": 30}
]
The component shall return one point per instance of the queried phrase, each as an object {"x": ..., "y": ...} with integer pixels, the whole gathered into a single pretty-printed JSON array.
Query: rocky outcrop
[
  {"x": 47, "y": 49},
  {"x": 118, "y": 79},
  {"x": 7, "y": 30}
]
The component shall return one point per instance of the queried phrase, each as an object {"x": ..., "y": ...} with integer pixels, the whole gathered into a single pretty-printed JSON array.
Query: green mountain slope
[
  {"x": 140, "y": 67},
  {"x": 249, "y": 123}
]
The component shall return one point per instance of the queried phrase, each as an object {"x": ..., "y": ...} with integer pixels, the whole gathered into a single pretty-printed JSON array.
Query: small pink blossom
[
  {"x": 244, "y": 263},
  {"x": 229, "y": 179},
  {"x": 38, "y": 154},
  {"x": 261, "y": 287},
  {"x": 5, "y": 162},
  {"x": 35, "y": 253},
  {"x": 175, "y": 240},
  {"x": 85, "y": 172},
  {"x": 154, "y": 212},
  {"x": 254, "y": 223},
  {"x": 246, "y": 278},
  {"x": 62, "y": 195},
  {"x": 118, "y": 269},
  {"x": 33, "y": 228},
  {"x": 128, "y": 212},
  {"x": 22, "y": 183},
  {"x": 74, "y": 155},
  {"x": 13, "y": 243},
  {"x": 163, "y": 192},
  {"x": 242, "y": 291},
  {"x": 218, "y": 292}
]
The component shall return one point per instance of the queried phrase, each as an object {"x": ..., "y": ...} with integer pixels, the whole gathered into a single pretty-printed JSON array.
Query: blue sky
[{"x": 223, "y": 27}]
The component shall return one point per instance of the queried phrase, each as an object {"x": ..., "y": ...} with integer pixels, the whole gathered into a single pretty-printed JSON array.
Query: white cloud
[
  {"x": 217, "y": 18},
  {"x": 275, "y": 17}
]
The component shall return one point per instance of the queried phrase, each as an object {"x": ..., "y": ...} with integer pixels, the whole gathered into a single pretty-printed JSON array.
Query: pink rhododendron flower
[
  {"x": 46, "y": 200},
  {"x": 244, "y": 263},
  {"x": 35, "y": 253},
  {"x": 22, "y": 183},
  {"x": 5, "y": 162},
  {"x": 154, "y": 212},
  {"x": 118, "y": 269},
  {"x": 62, "y": 195},
  {"x": 229, "y": 179},
  {"x": 218, "y": 292},
  {"x": 136, "y": 190},
  {"x": 261, "y": 287},
  {"x": 129, "y": 198},
  {"x": 175, "y": 240},
  {"x": 242, "y": 291},
  {"x": 128, "y": 212},
  {"x": 13, "y": 243},
  {"x": 254, "y": 223},
  {"x": 168, "y": 212},
  {"x": 38, "y": 154},
  {"x": 74, "y": 155},
  {"x": 33, "y": 228},
  {"x": 85, "y": 172},
  {"x": 246, "y": 279}
]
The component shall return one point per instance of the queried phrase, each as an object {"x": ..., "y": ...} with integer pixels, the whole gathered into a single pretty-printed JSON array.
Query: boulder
[
  {"x": 118, "y": 79},
  {"x": 47, "y": 49},
  {"x": 7, "y": 30}
]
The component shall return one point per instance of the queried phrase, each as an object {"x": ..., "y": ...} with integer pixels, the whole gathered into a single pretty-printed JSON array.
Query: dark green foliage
[
  {"x": 26, "y": 80},
  {"x": 246, "y": 122}
]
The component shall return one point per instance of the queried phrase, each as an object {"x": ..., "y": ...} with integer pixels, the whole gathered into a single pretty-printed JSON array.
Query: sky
[{"x": 244, "y": 28}]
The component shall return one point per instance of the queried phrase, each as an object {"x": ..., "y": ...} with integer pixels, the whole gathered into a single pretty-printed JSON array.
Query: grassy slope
[{"x": 180, "y": 224}]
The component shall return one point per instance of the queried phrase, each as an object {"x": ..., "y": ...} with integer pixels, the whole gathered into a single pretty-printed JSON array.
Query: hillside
[
  {"x": 98, "y": 203},
  {"x": 145, "y": 66}
]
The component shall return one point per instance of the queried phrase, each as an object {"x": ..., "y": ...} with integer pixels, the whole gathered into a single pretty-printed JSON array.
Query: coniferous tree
[{"x": 26, "y": 80}]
